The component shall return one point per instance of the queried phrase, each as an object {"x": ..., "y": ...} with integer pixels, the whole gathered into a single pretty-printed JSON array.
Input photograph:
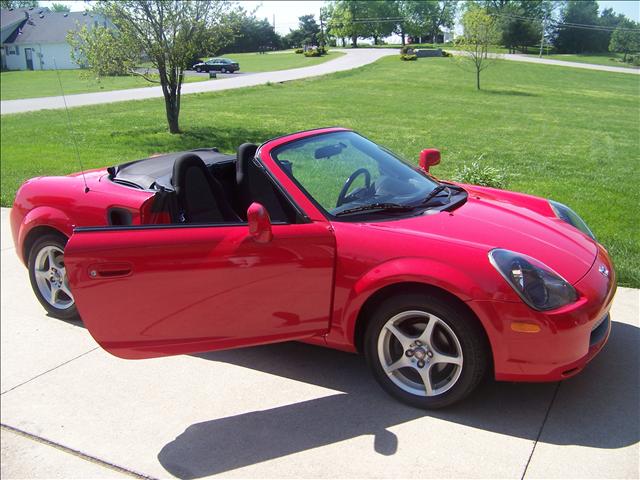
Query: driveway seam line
[
  {"x": 50, "y": 370},
  {"x": 77, "y": 453},
  {"x": 544, "y": 421}
]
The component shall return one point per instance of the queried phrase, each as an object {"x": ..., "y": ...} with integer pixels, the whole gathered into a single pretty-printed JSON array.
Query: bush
[
  {"x": 322, "y": 50},
  {"x": 312, "y": 53},
  {"x": 634, "y": 60},
  {"x": 406, "y": 50},
  {"x": 299, "y": 50},
  {"x": 446, "y": 54},
  {"x": 476, "y": 173},
  {"x": 408, "y": 58}
]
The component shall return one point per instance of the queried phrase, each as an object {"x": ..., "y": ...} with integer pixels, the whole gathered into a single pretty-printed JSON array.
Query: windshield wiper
[
  {"x": 389, "y": 207},
  {"x": 435, "y": 192}
]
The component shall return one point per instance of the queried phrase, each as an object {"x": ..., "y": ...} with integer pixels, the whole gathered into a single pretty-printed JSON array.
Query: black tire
[
  {"x": 198, "y": 69},
  {"x": 223, "y": 70},
  {"x": 46, "y": 243},
  {"x": 463, "y": 379}
]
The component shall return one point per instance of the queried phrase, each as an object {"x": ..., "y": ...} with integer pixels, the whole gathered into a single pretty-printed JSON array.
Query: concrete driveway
[
  {"x": 70, "y": 410},
  {"x": 352, "y": 59}
]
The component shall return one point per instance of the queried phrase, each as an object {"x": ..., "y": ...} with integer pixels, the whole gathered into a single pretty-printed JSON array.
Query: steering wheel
[{"x": 347, "y": 185}]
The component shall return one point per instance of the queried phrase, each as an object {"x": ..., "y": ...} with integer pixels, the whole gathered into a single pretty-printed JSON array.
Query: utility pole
[
  {"x": 544, "y": 23},
  {"x": 274, "y": 21},
  {"x": 322, "y": 43}
]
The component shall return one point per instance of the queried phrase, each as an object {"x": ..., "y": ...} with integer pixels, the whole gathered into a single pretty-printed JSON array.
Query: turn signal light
[{"x": 525, "y": 327}]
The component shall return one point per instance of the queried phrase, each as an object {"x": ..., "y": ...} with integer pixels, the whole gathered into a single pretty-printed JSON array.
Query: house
[{"x": 31, "y": 38}]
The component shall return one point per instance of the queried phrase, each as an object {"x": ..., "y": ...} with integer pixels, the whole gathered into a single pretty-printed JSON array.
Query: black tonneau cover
[{"x": 149, "y": 171}]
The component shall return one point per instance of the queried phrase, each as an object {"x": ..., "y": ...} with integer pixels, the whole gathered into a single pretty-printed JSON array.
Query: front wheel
[
  {"x": 425, "y": 351},
  {"x": 49, "y": 277}
]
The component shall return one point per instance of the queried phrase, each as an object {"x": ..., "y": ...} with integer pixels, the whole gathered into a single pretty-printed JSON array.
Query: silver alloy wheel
[
  {"x": 51, "y": 277},
  {"x": 420, "y": 353}
]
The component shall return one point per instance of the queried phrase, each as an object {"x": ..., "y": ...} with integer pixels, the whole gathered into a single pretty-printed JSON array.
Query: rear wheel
[
  {"x": 425, "y": 351},
  {"x": 49, "y": 277},
  {"x": 223, "y": 70},
  {"x": 198, "y": 69}
]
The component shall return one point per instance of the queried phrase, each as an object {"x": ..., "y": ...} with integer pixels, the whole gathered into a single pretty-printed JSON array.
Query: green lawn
[
  {"x": 44, "y": 83},
  {"x": 267, "y": 62},
  {"x": 608, "y": 59},
  {"x": 568, "y": 134}
]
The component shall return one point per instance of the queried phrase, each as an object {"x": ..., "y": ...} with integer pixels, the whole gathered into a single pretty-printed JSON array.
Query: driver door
[{"x": 150, "y": 291}]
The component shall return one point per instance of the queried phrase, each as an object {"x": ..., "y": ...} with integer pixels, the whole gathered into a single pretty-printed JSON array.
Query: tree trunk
[
  {"x": 172, "y": 114},
  {"x": 171, "y": 88},
  {"x": 375, "y": 40},
  {"x": 478, "y": 79},
  {"x": 624, "y": 58},
  {"x": 402, "y": 37},
  {"x": 354, "y": 41}
]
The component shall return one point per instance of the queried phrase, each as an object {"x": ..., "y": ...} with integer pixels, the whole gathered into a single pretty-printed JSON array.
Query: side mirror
[
  {"x": 428, "y": 158},
  {"x": 259, "y": 223}
]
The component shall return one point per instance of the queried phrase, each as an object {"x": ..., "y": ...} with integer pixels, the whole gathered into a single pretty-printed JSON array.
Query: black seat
[
  {"x": 253, "y": 185},
  {"x": 201, "y": 198}
]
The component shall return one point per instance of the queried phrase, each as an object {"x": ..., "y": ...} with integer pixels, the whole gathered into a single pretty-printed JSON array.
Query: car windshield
[{"x": 347, "y": 174}]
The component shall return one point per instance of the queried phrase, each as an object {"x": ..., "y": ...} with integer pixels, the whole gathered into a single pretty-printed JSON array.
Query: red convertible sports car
[{"x": 325, "y": 237}]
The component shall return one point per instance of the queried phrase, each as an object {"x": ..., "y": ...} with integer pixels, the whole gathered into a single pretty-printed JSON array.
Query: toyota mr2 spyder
[{"x": 323, "y": 237}]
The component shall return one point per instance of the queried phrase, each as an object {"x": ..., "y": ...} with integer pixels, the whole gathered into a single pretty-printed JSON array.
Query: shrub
[
  {"x": 312, "y": 53},
  {"x": 476, "y": 173},
  {"x": 446, "y": 54},
  {"x": 408, "y": 58},
  {"x": 322, "y": 50},
  {"x": 406, "y": 50},
  {"x": 634, "y": 60},
  {"x": 299, "y": 50}
]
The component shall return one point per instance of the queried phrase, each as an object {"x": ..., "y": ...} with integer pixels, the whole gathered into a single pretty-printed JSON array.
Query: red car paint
[{"x": 172, "y": 289}]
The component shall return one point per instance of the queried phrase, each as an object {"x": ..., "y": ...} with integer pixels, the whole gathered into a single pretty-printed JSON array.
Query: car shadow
[{"x": 586, "y": 410}]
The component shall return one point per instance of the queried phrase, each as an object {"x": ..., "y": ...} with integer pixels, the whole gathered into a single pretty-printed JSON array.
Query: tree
[
  {"x": 480, "y": 32},
  {"x": 252, "y": 34},
  {"x": 382, "y": 19},
  {"x": 626, "y": 38},
  {"x": 569, "y": 38},
  {"x": 307, "y": 33},
  {"x": 347, "y": 20},
  {"x": 60, "y": 7},
  {"x": 102, "y": 50},
  {"x": 170, "y": 33},
  {"x": 6, "y": 4},
  {"x": 609, "y": 20}
]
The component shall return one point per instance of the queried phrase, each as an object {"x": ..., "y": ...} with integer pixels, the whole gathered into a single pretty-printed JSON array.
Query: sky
[{"x": 286, "y": 13}]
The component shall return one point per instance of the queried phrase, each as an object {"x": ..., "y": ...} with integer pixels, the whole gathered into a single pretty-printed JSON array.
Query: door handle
[{"x": 110, "y": 270}]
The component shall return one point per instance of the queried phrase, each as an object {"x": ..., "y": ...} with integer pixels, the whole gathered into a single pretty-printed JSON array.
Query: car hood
[{"x": 485, "y": 222}]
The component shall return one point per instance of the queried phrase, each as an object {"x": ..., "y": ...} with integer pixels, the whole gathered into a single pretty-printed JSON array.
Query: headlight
[
  {"x": 572, "y": 218},
  {"x": 539, "y": 287}
]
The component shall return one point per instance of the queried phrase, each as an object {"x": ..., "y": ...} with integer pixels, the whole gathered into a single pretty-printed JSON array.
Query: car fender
[
  {"x": 39, "y": 217},
  {"x": 424, "y": 271}
]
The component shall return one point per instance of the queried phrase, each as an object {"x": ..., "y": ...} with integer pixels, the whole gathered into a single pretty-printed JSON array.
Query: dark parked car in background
[{"x": 223, "y": 65}]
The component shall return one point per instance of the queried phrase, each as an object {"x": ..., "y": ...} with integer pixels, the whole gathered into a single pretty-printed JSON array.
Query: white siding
[
  {"x": 15, "y": 62},
  {"x": 43, "y": 57}
]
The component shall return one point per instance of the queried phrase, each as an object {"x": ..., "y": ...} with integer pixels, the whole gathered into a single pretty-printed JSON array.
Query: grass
[
  {"x": 285, "y": 60},
  {"x": 609, "y": 59},
  {"x": 562, "y": 133},
  {"x": 44, "y": 83}
]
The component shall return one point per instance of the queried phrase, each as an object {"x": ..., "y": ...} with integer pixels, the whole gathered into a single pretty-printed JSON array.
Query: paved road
[
  {"x": 563, "y": 63},
  {"x": 515, "y": 57},
  {"x": 70, "y": 410},
  {"x": 351, "y": 59}
]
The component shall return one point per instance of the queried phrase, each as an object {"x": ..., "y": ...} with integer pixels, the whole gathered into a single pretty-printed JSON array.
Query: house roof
[
  {"x": 9, "y": 17},
  {"x": 45, "y": 26}
]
